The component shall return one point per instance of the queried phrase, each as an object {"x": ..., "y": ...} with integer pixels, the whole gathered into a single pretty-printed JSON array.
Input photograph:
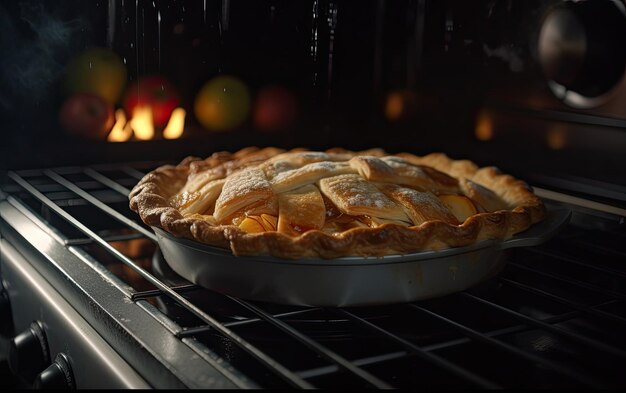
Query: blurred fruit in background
[
  {"x": 400, "y": 105},
  {"x": 223, "y": 103},
  {"x": 87, "y": 115},
  {"x": 98, "y": 71},
  {"x": 154, "y": 92},
  {"x": 276, "y": 108}
]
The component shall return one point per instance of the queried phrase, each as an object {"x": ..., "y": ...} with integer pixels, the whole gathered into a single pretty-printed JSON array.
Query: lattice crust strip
[{"x": 299, "y": 203}]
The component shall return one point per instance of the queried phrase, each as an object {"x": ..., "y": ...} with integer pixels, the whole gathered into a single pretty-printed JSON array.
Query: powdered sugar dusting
[
  {"x": 244, "y": 182},
  {"x": 307, "y": 157},
  {"x": 309, "y": 172},
  {"x": 277, "y": 167},
  {"x": 416, "y": 198},
  {"x": 312, "y": 156},
  {"x": 403, "y": 168},
  {"x": 394, "y": 161},
  {"x": 352, "y": 191}
]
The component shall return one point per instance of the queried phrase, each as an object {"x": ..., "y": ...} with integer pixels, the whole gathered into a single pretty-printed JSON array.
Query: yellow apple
[
  {"x": 98, "y": 71},
  {"x": 222, "y": 104},
  {"x": 460, "y": 206},
  {"x": 262, "y": 223}
]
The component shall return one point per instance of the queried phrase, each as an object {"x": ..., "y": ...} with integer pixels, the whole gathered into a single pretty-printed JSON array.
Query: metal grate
[{"x": 554, "y": 317}]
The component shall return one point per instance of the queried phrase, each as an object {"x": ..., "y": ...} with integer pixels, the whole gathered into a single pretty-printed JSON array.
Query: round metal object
[
  {"x": 28, "y": 352},
  {"x": 57, "y": 376},
  {"x": 349, "y": 281},
  {"x": 582, "y": 50}
]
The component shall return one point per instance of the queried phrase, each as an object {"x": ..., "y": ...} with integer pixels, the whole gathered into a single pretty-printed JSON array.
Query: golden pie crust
[{"x": 299, "y": 203}]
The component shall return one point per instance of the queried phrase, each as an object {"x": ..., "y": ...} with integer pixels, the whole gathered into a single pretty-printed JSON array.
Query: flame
[
  {"x": 484, "y": 127},
  {"x": 142, "y": 123},
  {"x": 120, "y": 133},
  {"x": 142, "y": 126},
  {"x": 175, "y": 125}
]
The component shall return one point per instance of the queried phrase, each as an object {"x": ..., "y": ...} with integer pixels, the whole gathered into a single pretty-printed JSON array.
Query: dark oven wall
[{"x": 468, "y": 78}]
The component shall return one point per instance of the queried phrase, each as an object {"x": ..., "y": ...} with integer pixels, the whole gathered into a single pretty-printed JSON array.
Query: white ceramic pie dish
[{"x": 348, "y": 281}]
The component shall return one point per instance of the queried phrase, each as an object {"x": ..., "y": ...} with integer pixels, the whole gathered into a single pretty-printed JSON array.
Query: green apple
[{"x": 96, "y": 70}]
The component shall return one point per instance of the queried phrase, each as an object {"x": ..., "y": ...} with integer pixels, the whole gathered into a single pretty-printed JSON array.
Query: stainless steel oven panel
[
  {"x": 151, "y": 348},
  {"x": 94, "y": 363}
]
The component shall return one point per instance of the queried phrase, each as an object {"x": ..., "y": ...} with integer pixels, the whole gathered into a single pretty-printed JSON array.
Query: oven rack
[{"x": 490, "y": 336}]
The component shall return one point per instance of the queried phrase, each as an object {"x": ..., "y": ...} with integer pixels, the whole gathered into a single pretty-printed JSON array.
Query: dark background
[{"x": 460, "y": 62}]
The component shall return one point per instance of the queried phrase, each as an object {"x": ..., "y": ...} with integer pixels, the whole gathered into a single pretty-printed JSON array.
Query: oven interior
[
  {"x": 553, "y": 318},
  {"x": 448, "y": 76}
]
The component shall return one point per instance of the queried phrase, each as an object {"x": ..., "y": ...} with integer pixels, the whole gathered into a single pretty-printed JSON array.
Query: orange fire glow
[
  {"x": 142, "y": 123},
  {"x": 175, "y": 125},
  {"x": 142, "y": 126},
  {"x": 484, "y": 127},
  {"x": 556, "y": 138},
  {"x": 121, "y": 130}
]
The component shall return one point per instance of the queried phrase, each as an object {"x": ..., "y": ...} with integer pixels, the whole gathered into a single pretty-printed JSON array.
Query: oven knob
[
  {"x": 28, "y": 352},
  {"x": 57, "y": 376},
  {"x": 582, "y": 50}
]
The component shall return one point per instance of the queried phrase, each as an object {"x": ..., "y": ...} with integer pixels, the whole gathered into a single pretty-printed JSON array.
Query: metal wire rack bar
[
  {"x": 333, "y": 368},
  {"x": 499, "y": 332},
  {"x": 106, "y": 181},
  {"x": 577, "y": 283},
  {"x": 109, "y": 238},
  {"x": 97, "y": 203},
  {"x": 281, "y": 315},
  {"x": 510, "y": 349},
  {"x": 432, "y": 347},
  {"x": 133, "y": 172},
  {"x": 587, "y": 310},
  {"x": 573, "y": 261},
  {"x": 320, "y": 349},
  {"x": 430, "y": 357},
  {"x": 602, "y": 249},
  {"x": 263, "y": 358},
  {"x": 551, "y": 328},
  {"x": 149, "y": 293},
  {"x": 199, "y": 329}
]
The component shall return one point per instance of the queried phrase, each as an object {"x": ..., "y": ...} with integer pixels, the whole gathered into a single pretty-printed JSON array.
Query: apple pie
[{"x": 336, "y": 203}]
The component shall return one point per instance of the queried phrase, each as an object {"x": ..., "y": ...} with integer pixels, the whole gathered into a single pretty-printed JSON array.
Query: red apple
[
  {"x": 275, "y": 109},
  {"x": 153, "y": 91},
  {"x": 87, "y": 115}
]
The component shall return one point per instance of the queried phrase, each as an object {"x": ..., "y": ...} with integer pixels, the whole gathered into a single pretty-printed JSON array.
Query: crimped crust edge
[{"x": 149, "y": 198}]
